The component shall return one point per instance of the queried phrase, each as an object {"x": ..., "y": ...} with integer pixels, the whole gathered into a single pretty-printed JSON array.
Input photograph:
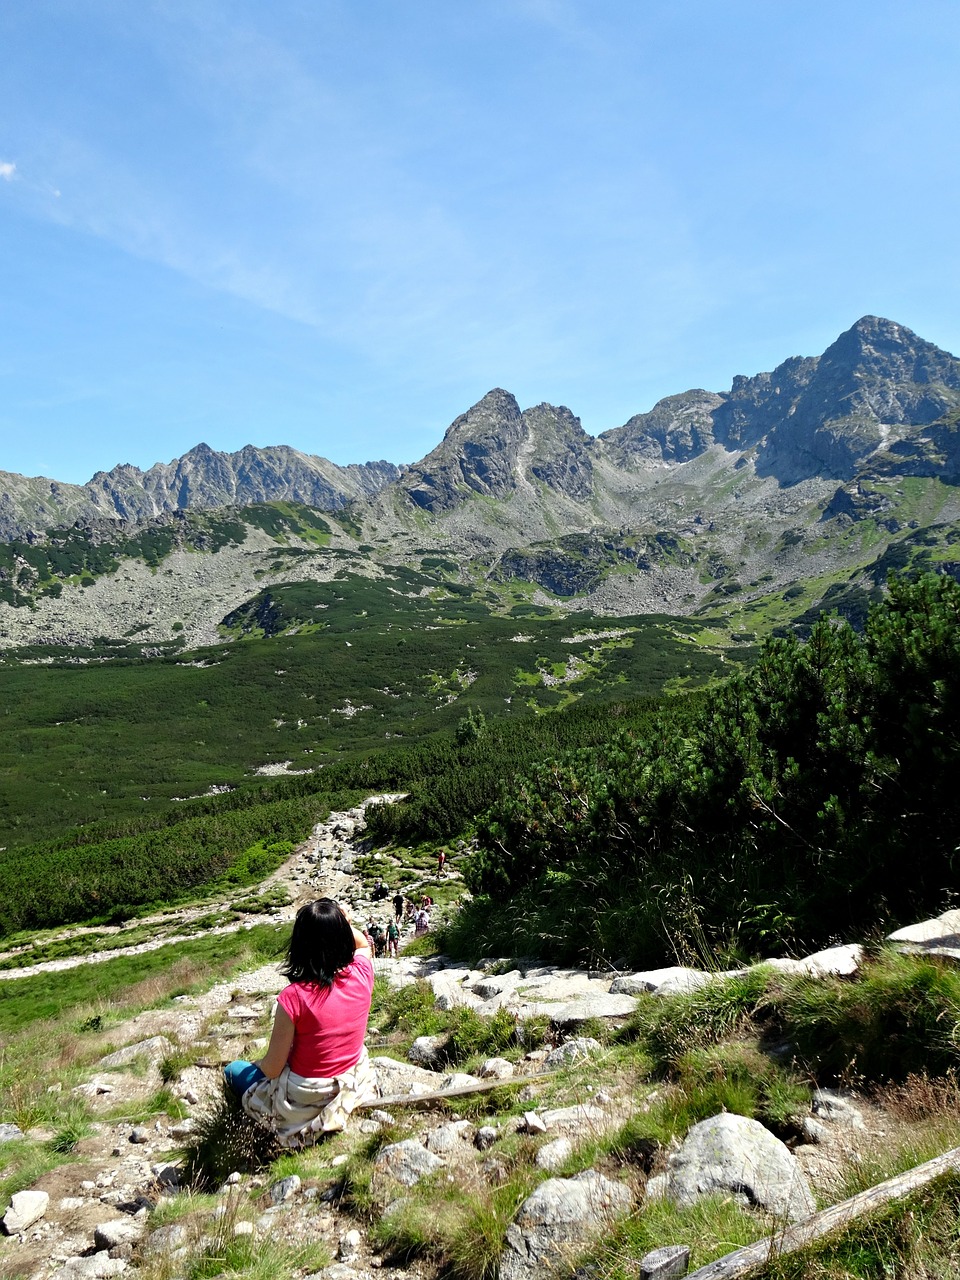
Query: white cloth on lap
[{"x": 298, "y": 1109}]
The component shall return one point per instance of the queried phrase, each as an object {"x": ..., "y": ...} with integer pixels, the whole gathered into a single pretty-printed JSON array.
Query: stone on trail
[
  {"x": 116, "y": 1232},
  {"x": 571, "y": 1051},
  {"x": 155, "y": 1047},
  {"x": 285, "y": 1189},
  {"x": 552, "y": 1154},
  {"x": 560, "y": 1218},
  {"x": 731, "y": 1153},
  {"x": 26, "y": 1208},
  {"x": 669, "y": 981},
  {"x": 428, "y": 1051},
  {"x": 95, "y": 1266},
  {"x": 496, "y": 1069},
  {"x": 449, "y": 1137},
  {"x": 10, "y": 1132},
  {"x": 827, "y": 1104},
  {"x": 407, "y": 1162}
]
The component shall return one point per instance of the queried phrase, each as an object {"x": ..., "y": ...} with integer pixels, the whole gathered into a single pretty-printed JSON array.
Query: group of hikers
[{"x": 384, "y": 938}]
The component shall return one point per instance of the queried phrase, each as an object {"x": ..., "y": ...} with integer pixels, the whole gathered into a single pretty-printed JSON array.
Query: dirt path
[{"x": 322, "y": 865}]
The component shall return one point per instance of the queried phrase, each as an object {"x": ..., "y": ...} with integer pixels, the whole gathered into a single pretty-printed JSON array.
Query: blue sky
[{"x": 335, "y": 225}]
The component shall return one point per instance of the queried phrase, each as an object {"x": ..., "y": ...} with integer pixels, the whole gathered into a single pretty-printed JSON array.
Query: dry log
[{"x": 828, "y": 1221}]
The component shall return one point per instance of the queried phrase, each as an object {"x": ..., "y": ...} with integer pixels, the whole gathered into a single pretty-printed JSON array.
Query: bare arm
[
  {"x": 360, "y": 943},
  {"x": 281, "y": 1042}
]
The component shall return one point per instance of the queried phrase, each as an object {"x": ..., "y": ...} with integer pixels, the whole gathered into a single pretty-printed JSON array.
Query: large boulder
[
  {"x": 559, "y": 1219},
  {"x": 733, "y": 1154}
]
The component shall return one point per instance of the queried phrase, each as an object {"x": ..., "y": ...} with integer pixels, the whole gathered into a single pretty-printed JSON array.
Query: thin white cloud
[{"x": 8, "y": 170}]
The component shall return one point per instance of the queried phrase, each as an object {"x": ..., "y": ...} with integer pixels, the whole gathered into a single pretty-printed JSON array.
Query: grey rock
[
  {"x": 836, "y": 1107},
  {"x": 139, "y": 1135},
  {"x": 534, "y": 1123},
  {"x": 496, "y": 1069},
  {"x": 576, "y": 1120},
  {"x": 650, "y": 980},
  {"x": 406, "y": 1162},
  {"x": 813, "y": 1130},
  {"x": 730, "y": 1153},
  {"x": 154, "y": 1047},
  {"x": 449, "y": 1137},
  {"x": 458, "y": 1080},
  {"x": 562, "y": 1214},
  {"x": 118, "y": 1231},
  {"x": 571, "y": 1051},
  {"x": 10, "y": 1132},
  {"x": 428, "y": 1051},
  {"x": 183, "y": 1128},
  {"x": 26, "y": 1208},
  {"x": 167, "y": 1239},
  {"x": 553, "y": 1154},
  {"x": 97, "y": 1266},
  {"x": 285, "y": 1189},
  {"x": 485, "y": 1137}
]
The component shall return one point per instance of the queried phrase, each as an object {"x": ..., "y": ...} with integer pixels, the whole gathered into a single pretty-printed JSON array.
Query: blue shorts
[{"x": 240, "y": 1075}]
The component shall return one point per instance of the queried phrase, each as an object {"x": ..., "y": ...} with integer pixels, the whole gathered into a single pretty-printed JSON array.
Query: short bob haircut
[{"x": 322, "y": 943}]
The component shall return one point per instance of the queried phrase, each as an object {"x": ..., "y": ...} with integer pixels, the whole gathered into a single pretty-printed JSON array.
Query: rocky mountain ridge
[
  {"x": 203, "y": 479},
  {"x": 827, "y": 471}
]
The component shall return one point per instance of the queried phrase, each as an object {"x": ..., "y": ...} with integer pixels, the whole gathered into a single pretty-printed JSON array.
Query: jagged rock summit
[{"x": 202, "y": 478}]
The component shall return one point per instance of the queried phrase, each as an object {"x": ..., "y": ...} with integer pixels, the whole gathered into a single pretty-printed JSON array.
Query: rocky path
[
  {"x": 321, "y": 866},
  {"x": 91, "y": 1216}
]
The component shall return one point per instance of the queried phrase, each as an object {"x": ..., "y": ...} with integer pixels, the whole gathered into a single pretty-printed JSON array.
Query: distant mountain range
[{"x": 812, "y": 479}]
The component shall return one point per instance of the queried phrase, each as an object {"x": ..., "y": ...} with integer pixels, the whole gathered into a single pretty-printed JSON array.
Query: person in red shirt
[{"x": 321, "y": 1016}]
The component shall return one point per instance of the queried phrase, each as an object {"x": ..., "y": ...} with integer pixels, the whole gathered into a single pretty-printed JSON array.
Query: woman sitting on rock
[{"x": 316, "y": 1069}]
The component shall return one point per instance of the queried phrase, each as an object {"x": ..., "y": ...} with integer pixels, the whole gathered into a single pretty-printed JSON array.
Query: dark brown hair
[{"x": 321, "y": 944}]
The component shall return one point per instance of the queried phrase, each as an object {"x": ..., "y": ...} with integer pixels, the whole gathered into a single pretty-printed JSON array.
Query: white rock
[
  {"x": 118, "y": 1231},
  {"x": 97, "y": 1266},
  {"x": 26, "y": 1208},
  {"x": 533, "y": 1123},
  {"x": 496, "y": 1069},
  {"x": 349, "y": 1245},
  {"x": 155, "y": 1047},
  {"x": 571, "y": 1051},
  {"x": 827, "y": 1104}
]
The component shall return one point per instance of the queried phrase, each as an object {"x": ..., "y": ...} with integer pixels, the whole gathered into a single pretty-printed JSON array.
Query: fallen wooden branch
[{"x": 828, "y": 1221}]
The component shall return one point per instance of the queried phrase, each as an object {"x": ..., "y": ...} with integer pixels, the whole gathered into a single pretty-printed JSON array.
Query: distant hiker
[
  {"x": 441, "y": 861},
  {"x": 421, "y": 921},
  {"x": 393, "y": 939},
  {"x": 398, "y": 905},
  {"x": 379, "y": 939},
  {"x": 380, "y": 891},
  {"x": 315, "y": 1070}
]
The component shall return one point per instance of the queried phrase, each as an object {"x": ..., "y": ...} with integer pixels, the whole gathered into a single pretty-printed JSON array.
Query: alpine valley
[{"x": 792, "y": 492}]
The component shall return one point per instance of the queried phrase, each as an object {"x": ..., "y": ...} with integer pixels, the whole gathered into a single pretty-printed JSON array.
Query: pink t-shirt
[{"x": 329, "y": 1022}]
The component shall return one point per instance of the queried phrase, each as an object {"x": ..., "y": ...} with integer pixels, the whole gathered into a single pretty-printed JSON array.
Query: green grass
[{"x": 52, "y": 995}]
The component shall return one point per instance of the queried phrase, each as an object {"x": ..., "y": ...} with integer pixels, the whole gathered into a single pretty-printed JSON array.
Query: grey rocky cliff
[
  {"x": 494, "y": 449},
  {"x": 202, "y": 478},
  {"x": 676, "y": 429}
]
